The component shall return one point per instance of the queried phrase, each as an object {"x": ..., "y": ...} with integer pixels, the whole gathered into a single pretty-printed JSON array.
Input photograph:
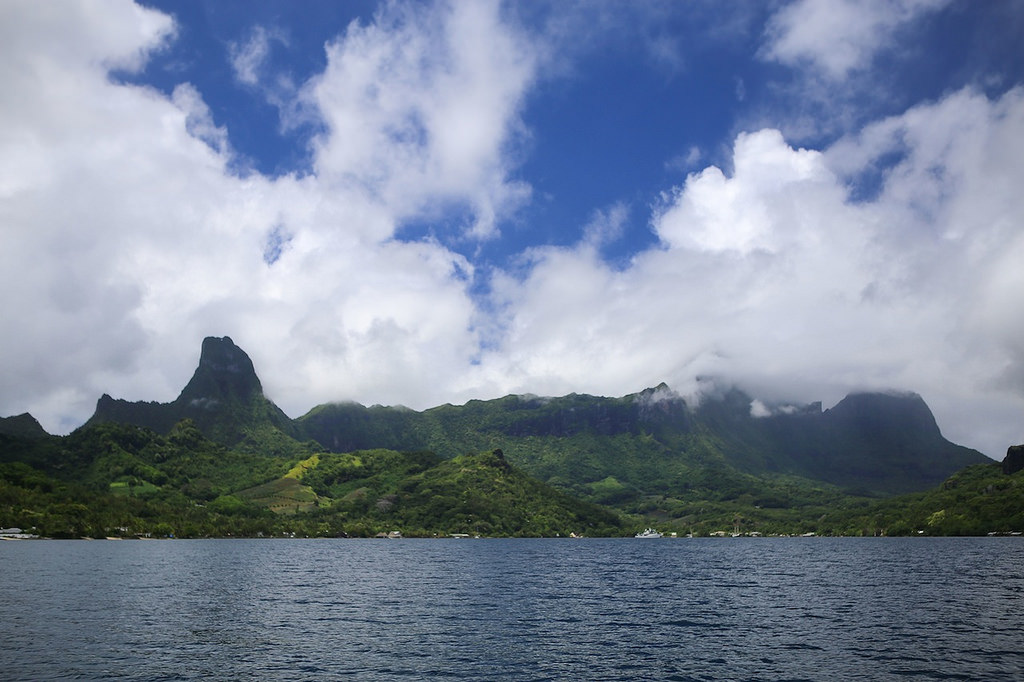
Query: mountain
[
  {"x": 224, "y": 399},
  {"x": 222, "y": 459},
  {"x": 110, "y": 479},
  {"x": 870, "y": 442},
  {"x": 611, "y": 450},
  {"x": 979, "y": 500},
  {"x": 22, "y": 426},
  {"x": 654, "y": 442},
  {"x": 1014, "y": 460}
]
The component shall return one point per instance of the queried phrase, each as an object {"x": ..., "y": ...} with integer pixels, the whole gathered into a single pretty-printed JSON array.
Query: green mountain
[
  {"x": 609, "y": 450},
  {"x": 224, "y": 399},
  {"x": 981, "y": 499},
  {"x": 22, "y": 426},
  {"x": 869, "y": 442},
  {"x": 422, "y": 494},
  {"x": 118, "y": 479},
  {"x": 654, "y": 442},
  {"x": 222, "y": 458}
]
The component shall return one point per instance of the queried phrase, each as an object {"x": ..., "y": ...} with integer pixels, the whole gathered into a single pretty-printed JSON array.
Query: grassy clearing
[
  {"x": 302, "y": 467},
  {"x": 133, "y": 488},
  {"x": 283, "y": 496}
]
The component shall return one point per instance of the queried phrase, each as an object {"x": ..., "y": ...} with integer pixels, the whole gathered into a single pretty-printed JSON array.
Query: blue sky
[{"x": 419, "y": 203}]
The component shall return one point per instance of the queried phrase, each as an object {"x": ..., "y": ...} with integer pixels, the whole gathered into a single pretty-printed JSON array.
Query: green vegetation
[
  {"x": 223, "y": 460},
  {"x": 472, "y": 494},
  {"x": 653, "y": 443},
  {"x": 120, "y": 480},
  {"x": 979, "y": 500}
]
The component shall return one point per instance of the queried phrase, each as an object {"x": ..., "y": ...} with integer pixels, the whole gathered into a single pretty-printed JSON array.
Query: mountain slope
[
  {"x": 978, "y": 500},
  {"x": 124, "y": 480},
  {"x": 478, "y": 494},
  {"x": 653, "y": 442},
  {"x": 22, "y": 426}
]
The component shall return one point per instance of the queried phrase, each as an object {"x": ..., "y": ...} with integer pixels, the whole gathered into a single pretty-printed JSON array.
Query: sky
[{"x": 424, "y": 203}]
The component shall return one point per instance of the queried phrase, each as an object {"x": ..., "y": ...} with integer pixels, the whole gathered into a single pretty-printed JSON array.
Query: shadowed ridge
[{"x": 22, "y": 426}]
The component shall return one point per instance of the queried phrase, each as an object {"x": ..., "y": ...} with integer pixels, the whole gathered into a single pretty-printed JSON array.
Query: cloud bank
[{"x": 886, "y": 259}]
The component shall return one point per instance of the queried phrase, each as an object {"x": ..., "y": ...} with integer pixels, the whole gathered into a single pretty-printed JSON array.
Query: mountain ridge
[
  {"x": 231, "y": 462},
  {"x": 649, "y": 442}
]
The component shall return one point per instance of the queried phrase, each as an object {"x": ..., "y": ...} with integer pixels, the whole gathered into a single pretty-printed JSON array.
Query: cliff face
[
  {"x": 225, "y": 375},
  {"x": 1014, "y": 460}
]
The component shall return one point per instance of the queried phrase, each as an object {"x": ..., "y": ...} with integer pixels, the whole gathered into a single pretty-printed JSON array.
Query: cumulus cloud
[
  {"x": 762, "y": 207},
  {"x": 775, "y": 279},
  {"x": 422, "y": 111},
  {"x": 127, "y": 238}
]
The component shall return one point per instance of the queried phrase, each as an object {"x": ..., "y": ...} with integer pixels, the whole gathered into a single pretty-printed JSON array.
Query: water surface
[{"x": 683, "y": 609}]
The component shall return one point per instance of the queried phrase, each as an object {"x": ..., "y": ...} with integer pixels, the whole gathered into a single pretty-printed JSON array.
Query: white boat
[{"x": 648, "y": 533}]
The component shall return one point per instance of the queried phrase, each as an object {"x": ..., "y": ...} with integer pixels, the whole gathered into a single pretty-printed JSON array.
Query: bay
[{"x": 592, "y": 609}]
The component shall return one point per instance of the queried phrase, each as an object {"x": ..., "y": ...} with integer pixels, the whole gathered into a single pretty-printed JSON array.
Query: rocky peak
[
  {"x": 225, "y": 374},
  {"x": 1014, "y": 460}
]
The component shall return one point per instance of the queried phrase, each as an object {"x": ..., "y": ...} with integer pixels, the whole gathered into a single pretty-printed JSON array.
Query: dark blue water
[{"x": 715, "y": 609}]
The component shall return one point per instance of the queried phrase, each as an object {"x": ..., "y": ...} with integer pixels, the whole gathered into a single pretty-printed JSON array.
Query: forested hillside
[{"x": 223, "y": 459}]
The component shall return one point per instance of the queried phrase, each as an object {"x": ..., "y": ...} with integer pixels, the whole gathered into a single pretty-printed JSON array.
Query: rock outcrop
[{"x": 1014, "y": 460}]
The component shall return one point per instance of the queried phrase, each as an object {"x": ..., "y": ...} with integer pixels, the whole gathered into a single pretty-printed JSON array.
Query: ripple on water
[{"x": 754, "y": 609}]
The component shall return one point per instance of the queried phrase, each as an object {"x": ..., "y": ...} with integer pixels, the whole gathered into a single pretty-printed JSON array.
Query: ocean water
[{"x": 593, "y": 609}]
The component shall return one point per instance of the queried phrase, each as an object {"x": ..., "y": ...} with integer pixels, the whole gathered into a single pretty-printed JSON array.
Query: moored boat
[{"x": 648, "y": 533}]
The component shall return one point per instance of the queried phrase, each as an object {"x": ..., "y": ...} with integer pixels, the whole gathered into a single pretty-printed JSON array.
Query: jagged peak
[
  {"x": 220, "y": 354},
  {"x": 658, "y": 393}
]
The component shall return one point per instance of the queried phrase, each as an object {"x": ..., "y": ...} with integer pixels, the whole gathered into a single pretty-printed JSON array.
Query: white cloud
[
  {"x": 774, "y": 279},
  {"x": 126, "y": 239},
  {"x": 758, "y": 409},
  {"x": 837, "y": 37},
  {"x": 422, "y": 109},
  {"x": 846, "y": 59},
  {"x": 199, "y": 120},
  {"x": 606, "y": 226},
  {"x": 685, "y": 162},
  {"x": 254, "y": 67},
  {"x": 763, "y": 204}
]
